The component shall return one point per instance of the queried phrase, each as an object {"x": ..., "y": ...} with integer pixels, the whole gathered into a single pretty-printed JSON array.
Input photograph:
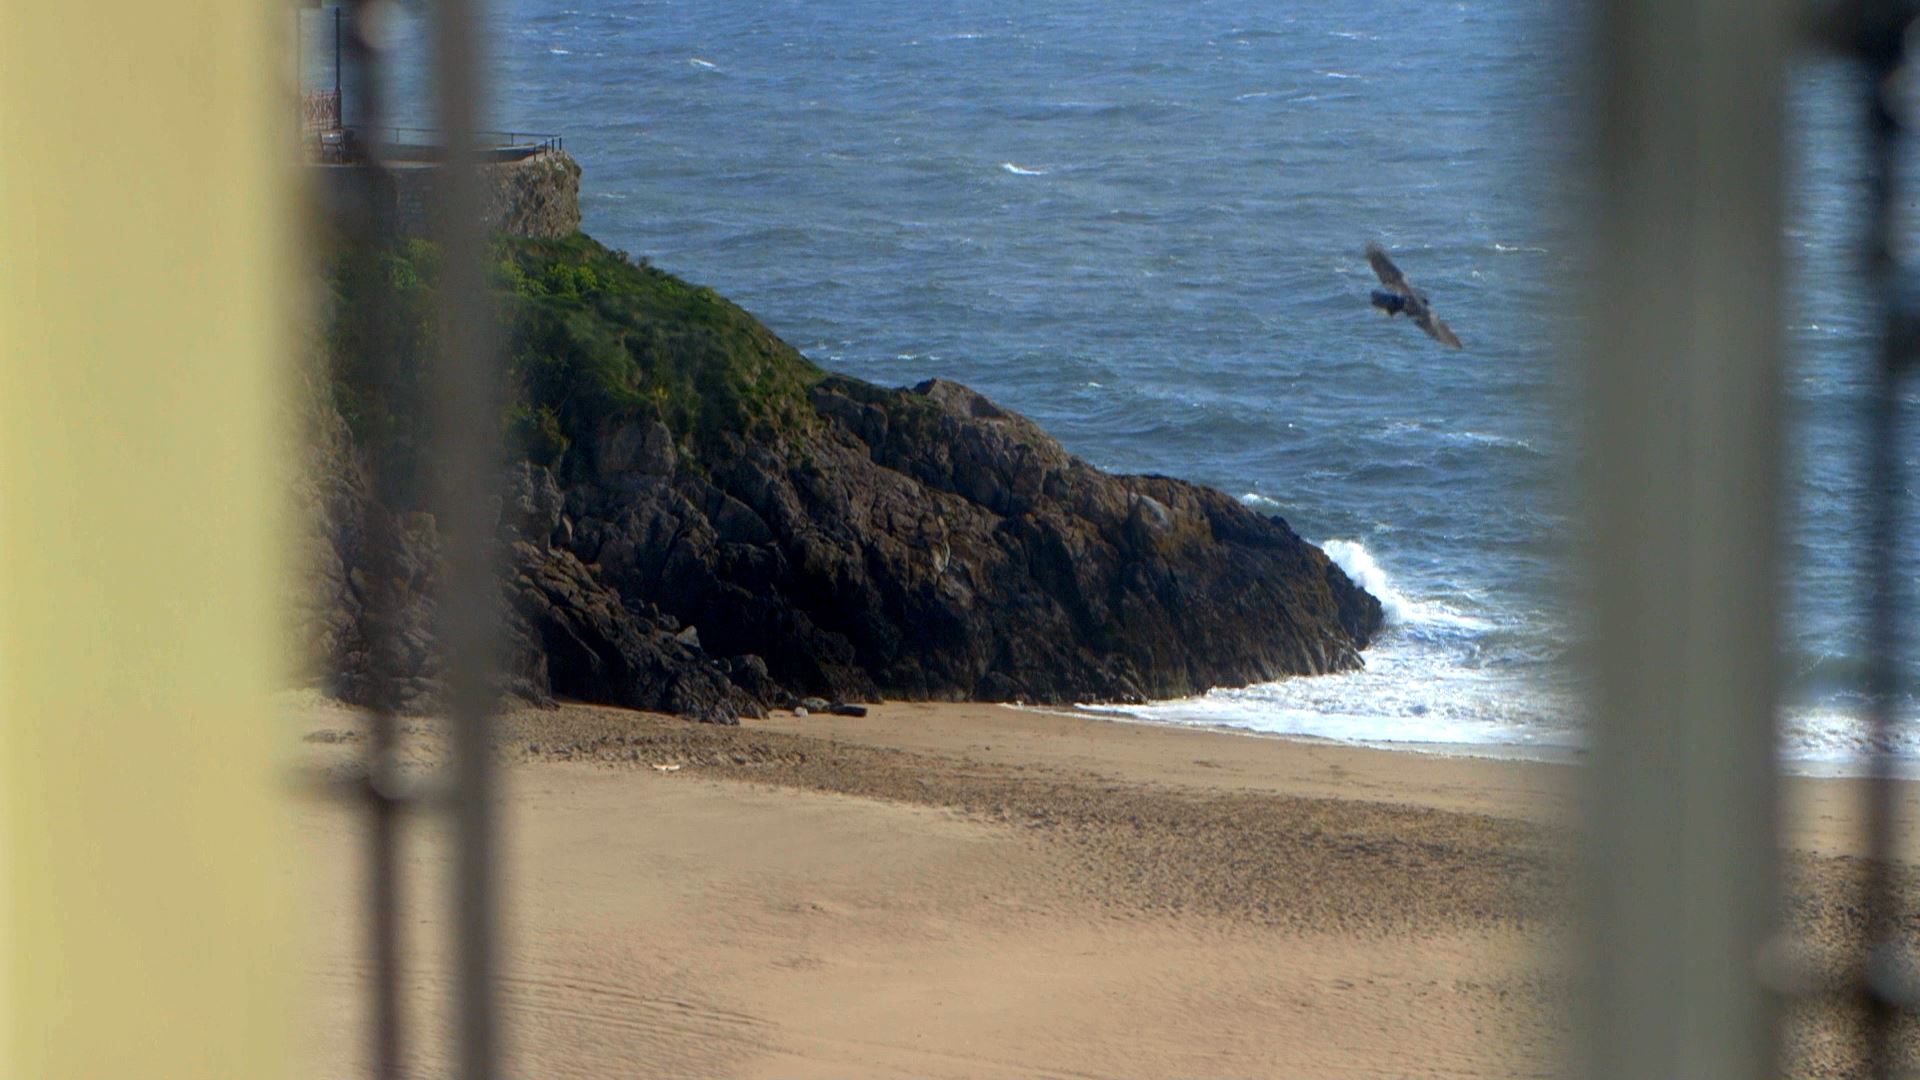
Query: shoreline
[
  {"x": 1904, "y": 770},
  {"x": 1562, "y": 755}
]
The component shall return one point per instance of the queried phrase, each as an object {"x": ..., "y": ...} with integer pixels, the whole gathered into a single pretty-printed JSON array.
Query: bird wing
[
  {"x": 1389, "y": 274},
  {"x": 1437, "y": 330}
]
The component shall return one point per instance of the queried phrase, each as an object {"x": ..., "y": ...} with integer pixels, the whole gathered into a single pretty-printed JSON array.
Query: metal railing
[
  {"x": 319, "y": 110},
  {"x": 537, "y": 141},
  {"x": 480, "y": 139},
  {"x": 357, "y": 143},
  {"x": 463, "y": 483}
]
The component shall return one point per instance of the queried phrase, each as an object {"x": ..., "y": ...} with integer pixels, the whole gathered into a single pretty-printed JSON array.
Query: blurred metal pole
[
  {"x": 1684, "y": 456},
  {"x": 466, "y": 425},
  {"x": 370, "y": 230},
  {"x": 1880, "y": 47}
]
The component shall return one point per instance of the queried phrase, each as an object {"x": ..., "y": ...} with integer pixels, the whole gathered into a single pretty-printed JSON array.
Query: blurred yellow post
[
  {"x": 1684, "y": 374},
  {"x": 144, "y": 214}
]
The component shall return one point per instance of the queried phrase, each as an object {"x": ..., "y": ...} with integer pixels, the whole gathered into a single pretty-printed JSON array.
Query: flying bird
[{"x": 1401, "y": 298}]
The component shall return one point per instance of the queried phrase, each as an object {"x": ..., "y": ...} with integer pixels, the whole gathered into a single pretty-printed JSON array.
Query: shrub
[{"x": 591, "y": 337}]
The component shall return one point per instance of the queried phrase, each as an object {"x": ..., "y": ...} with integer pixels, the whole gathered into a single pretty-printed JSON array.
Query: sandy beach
[{"x": 953, "y": 890}]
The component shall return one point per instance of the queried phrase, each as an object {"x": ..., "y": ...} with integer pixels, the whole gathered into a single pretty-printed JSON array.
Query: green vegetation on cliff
[{"x": 591, "y": 338}]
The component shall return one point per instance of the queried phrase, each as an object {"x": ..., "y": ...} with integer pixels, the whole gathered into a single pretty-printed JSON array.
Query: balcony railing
[
  {"x": 345, "y": 145},
  {"x": 319, "y": 111}
]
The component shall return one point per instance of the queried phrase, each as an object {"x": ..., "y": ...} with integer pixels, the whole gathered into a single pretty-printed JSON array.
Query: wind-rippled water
[{"x": 1141, "y": 224}]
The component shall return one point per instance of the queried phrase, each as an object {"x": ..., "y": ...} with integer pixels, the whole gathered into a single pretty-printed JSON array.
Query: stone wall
[{"x": 536, "y": 196}]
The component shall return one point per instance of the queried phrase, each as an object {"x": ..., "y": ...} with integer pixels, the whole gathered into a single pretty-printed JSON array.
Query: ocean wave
[
  {"x": 1287, "y": 97},
  {"x": 1409, "y": 696},
  {"x": 706, "y": 64},
  {"x": 1839, "y": 741},
  {"x": 1401, "y": 610},
  {"x": 1426, "y": 432},
  {"x": 1360, "y": 710},
  {"x": 1149, "y": 110},
  {"x": 1510, "y": 248},
  {"x": 1018, "y": 170},
  {"x": 1484, "y": 438}
]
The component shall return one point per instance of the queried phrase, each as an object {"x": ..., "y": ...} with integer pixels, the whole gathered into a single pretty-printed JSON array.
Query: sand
[{"x": 950, "y": 890}]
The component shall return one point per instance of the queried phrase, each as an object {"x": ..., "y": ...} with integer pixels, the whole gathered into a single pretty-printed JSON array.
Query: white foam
[
  {"x": 1840, "y": 739},
  {"x": 1020, "y": 171},
  {"x": 1401, "y": 610},
  {"x": 1426, "y": 432},
  {"x": 1428, "y": 688},
  {"x": 1486, "y": 438},
  {"x": 699, "y": 63},
  {"x": 1410, "y": 695},
  {"x": 1380, "y": 710}
]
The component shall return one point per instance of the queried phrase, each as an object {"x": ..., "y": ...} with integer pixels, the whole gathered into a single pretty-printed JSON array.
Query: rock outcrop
[
  {"x": 783, "y": 533},
  {"x": 537, "y": 195}
]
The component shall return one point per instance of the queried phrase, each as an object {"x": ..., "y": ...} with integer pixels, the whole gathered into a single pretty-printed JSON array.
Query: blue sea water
[{"x": 1141, "y": 223}]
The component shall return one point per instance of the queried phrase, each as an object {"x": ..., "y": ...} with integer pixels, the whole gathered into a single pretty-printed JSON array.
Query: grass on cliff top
[{"x": 592, "y": 339}]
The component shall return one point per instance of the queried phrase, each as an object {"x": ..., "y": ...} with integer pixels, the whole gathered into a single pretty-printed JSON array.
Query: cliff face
[{"x": 706, "y": 523}]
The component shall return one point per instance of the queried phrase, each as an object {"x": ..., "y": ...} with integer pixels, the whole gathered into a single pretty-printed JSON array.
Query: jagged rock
[
  {"x": 565, "y": 632},
  {"x": 597, "y": 648},
  {"x": 929, "y": 543},
  {"x": 749, "y": 673},
  {"x": 535, "y": 506}
]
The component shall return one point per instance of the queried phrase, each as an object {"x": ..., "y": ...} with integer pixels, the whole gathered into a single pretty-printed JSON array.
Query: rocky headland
[{"x": 703, "y": 522}]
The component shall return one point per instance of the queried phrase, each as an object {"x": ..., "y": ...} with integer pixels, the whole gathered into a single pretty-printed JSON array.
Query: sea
[{"x": 1141, "y": 223}]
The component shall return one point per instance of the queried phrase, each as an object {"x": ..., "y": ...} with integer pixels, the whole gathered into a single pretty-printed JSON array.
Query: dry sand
[{"x": 975, "y": 891}]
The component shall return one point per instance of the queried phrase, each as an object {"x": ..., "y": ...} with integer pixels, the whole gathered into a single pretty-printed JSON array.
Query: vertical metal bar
[
  {"x": 1882, "y": 46},
  {"x": 372, "y": 233},
  {"x": 383, "y": 855},
  {"x": 467, "y": 414},
  {"x": 1684, "y": 369},
  {"x": 340, "y": 102}
]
